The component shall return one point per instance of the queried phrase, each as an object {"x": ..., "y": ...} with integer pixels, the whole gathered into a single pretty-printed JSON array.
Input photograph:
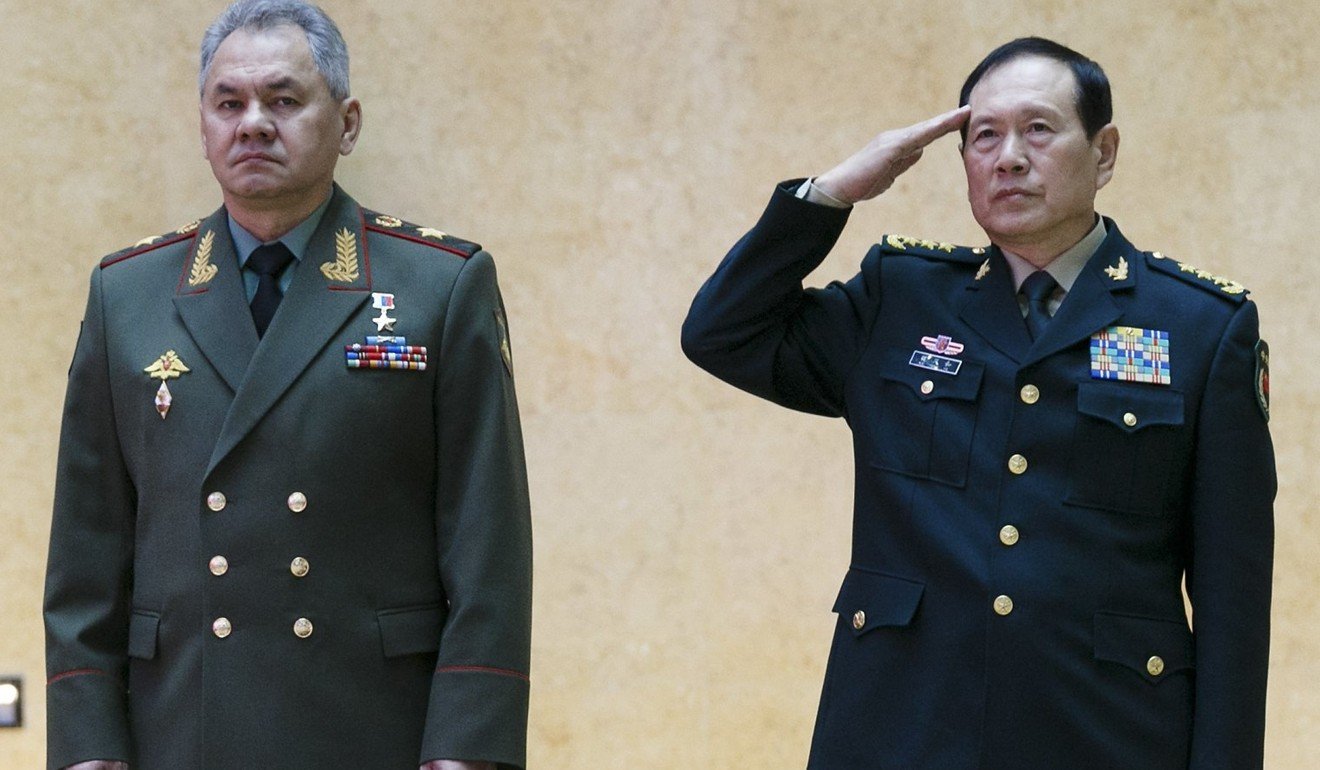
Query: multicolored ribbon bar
[
  {"x": 1131, "y": 354},
  {"x": 358, "y": 347},
  {"x": 350, "y": 356},
  {"x": 359, "y": 363}
]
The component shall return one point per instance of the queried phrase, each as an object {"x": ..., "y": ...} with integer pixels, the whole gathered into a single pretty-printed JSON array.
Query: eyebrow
[{"x": 221, "y": 88}]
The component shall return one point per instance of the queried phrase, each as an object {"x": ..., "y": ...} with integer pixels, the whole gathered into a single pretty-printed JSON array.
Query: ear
[
  {"x": 1105, "y": 146},
  {"x": 350, "y": 110}
]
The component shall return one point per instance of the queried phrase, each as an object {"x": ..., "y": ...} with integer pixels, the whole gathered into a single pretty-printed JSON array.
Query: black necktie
[
  {"x": 1037, "y": 289},
  {"x": 267, "y": 262}
]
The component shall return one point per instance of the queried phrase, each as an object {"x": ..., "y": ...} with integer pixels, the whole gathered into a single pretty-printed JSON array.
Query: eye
[
  {"x": 230, "y": 104},
  {"x": 985, "y": 133},
  {"x": 1038, "y": 126}
]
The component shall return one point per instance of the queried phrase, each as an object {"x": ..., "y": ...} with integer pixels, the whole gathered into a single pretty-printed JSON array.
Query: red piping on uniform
[
  {"x": 483, "y": 670},
  {"x": 414, "y": 239},
  {"x": 73, "y": 673}
]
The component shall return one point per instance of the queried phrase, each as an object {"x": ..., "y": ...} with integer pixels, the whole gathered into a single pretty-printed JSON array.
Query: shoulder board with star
[
  {"x": 1215, "y": 284},
  {"x": 384, "y": 223},
  {"x": 151, "y": 243},
  {"x": 920, "y": 247}
]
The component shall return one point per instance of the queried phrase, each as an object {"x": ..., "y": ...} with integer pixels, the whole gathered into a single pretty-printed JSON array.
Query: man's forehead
[
  {"x": 1025, "y": 82},
  {"x": 269, "y": 58}
]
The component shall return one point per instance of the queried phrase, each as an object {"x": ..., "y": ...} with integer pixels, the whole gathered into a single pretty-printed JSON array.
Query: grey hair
[{"x": 329, "y": 51}]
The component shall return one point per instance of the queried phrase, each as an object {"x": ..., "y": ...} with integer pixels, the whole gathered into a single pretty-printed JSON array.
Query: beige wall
[{"x": 689, "y": 538}]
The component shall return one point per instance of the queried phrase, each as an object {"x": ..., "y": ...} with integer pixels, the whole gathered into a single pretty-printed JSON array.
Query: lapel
[
  {"x": 1097, "y": 298},
  {"x": 211, "y": 301},
  {"x": 991, "y": 308},
  {"x": 331, "y": 282}
]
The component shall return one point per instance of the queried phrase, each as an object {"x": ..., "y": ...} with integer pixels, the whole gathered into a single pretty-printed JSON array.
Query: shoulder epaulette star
[
  {"x": 151, "y": 243},
  {"x": 384, "y": 223},
  {"x": 902, "y": 244},
  {"x": 1216, "y": 284}
]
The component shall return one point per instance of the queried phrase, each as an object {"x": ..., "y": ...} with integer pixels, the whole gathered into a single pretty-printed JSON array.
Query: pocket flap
[
  {"x": 142, "y": 629},
  {"x": 896, "y": 366},
  {"x": 1153, "y": 647},
  {"x": 870, "y": 600},
  {"x": 1130, "y": 407},
  {"x": 410, "y": 630}
]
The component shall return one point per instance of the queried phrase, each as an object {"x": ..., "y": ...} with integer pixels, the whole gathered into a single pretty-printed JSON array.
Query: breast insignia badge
[
  {"x": 942, "y": 344},
  {"x": 1129, "y": 354},
  {"x": 383, "y": 302},
  {"x": 168, "y": 367}
]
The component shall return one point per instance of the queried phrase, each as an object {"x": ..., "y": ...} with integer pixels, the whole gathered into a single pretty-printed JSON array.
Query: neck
[
  {"x": 270, "y": 220},
  {"x": 1040, "y": 253}
]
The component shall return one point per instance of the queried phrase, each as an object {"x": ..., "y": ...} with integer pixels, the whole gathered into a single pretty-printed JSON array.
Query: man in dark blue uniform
[{"x": 1051, "y": 435}]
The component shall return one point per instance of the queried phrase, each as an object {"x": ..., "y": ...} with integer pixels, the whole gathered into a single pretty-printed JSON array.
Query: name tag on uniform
[
  {"x": 934, "y": 363},
  {"x": 1130, "y": 354}
]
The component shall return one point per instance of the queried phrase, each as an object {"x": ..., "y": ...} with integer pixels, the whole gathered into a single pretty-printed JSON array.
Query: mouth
[
  {"x": 1012, "y": 194},
  {"x": 253, "y": 156}
]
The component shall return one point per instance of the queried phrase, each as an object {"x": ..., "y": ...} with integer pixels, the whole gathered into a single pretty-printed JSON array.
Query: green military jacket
[{"x": 312, "y": 550}]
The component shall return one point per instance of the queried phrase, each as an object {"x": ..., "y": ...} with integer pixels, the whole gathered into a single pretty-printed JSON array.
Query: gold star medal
[{"x": 167, "y": 367}]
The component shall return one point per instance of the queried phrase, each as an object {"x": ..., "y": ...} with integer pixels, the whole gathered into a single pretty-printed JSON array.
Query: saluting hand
[
  {"x": 456, "y": 764},
  {"x": 872, "y": 169}
]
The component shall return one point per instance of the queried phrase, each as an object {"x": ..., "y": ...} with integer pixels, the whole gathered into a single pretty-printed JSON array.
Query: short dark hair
[{"x": 1095, "y": 105}]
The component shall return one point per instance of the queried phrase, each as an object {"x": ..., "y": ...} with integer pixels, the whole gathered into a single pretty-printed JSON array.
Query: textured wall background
[{"x": 690, "y": 539}]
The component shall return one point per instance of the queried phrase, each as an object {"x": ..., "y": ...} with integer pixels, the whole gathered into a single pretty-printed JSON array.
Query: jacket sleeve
[
  {"x": 753, "y": 324},
  {"x": 479, "y": 693},
  {"x": 1229, "y": 579},
  {"x": 88, "y": 570}
]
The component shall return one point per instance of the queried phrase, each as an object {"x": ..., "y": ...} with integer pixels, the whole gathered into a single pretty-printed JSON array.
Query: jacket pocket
[
  {"x": 1125, "y": 447},
  {"x": 1155, "y": 648},
  {"x": 143, "y": 627},
  {"x": 927, "y": 419},
  {"x": 410, "y": 630},
  {"x": 871, "y": 600}
]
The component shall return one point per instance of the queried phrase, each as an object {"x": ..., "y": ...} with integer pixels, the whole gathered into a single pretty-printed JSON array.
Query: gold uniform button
[
  {"x": 1130, "y": 420},
  {"x": 216, "y": 501},
  {"x": 302, "y": 628},
  {"x": 859, "y": 620},
  {"x": 1017, "y": 465},
  {"x": 1029, "y": 394},
  {"x": 1008, "y": 534},
  {"x": 299, "y": 567},
  {"x": 1155, "y": 666},
  {"x": 927, "y": 387},
  {"x": 1003, "y": 605},
  {"x": 219, "y": 565},
  {"x": 297, "y": 502},
  {"x": 221, "y": 627}
]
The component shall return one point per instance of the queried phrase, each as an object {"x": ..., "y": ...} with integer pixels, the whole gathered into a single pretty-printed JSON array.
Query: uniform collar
[
  {"x": 295, "y": 240},
  {"x": 1067, "y": 266}
]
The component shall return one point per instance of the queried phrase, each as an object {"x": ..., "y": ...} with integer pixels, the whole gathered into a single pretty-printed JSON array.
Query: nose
[
  {"x": 256, "y": 123},
  {"x": 1012, "y": 156}
]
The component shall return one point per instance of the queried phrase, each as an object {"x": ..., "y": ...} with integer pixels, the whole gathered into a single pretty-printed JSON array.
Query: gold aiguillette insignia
[
  {"x": 167, "y": 367},
  {"x": 345, "y": 267}
]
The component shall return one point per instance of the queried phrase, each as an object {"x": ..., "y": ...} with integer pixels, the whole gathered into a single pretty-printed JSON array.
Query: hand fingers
[{"x": 927, "y": 131}]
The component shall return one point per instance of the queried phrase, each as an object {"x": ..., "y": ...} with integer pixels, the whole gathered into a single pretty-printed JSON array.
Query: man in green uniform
[{"x": 291, "y": 521}]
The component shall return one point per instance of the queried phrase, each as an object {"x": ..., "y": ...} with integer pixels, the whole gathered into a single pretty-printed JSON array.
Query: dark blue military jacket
[{"x": 1025, "y": 513}]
